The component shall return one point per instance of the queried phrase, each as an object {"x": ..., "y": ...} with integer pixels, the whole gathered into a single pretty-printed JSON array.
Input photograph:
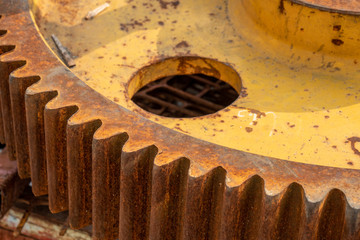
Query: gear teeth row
[
  {"x": 149, "y": 194},
  {"x": 124, "y": 193}
]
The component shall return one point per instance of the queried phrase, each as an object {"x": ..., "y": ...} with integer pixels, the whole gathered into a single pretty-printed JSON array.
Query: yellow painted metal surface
[{"x": 298, "y": 66}]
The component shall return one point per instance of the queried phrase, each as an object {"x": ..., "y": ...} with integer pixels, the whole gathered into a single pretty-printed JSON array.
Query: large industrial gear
[{"x": 281, "y": 162}]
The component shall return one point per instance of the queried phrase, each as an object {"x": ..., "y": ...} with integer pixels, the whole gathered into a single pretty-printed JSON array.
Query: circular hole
[{"x": 185, "y": 87}]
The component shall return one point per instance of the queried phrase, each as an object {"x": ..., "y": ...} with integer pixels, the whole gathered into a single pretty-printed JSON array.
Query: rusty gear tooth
[
  {"x": 6, "y": 68},
  {"x": 106, "y": 161},
  {"x": 18, "y": 87},
  {"x": 169, "y": 191},
  {"x": 352, "y": 227},
  {"x": 55, "y": 121},
  {"x": 331, "y": 216},
  {"x": 35, "y": 105},
  {"x": 3, "y": 49},
  {"x": 135, "y": 193},
  {"x": 290, "y": 214},
  {"x": 243, "y": 210},
  {"x": 204, "y": 205},
  {"x": 79, "y": 156}
]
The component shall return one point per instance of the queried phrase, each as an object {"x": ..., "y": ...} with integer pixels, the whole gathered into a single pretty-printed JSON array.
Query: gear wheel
[{"x": 135, "y": 175}]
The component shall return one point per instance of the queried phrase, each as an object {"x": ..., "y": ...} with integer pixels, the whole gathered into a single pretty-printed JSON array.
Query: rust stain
[
  {"x": 281, "y": 7},
  {"x": 337, "y": 27},
  {"x": 185, "y": 63},
  {"x": 337, "y": 42},
  {"x": 132, "y": 25},
  {"x": 249, "y": 129},
  {"x": 243, "y": 92},
  {"x": 182, "y": 44},
  {"x": 164, "y": 4},
  {"x": 353, "y": 141}
]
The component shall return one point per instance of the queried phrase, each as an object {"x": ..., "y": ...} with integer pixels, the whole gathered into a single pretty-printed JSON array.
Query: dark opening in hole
[{"x": 184, "y": 96}]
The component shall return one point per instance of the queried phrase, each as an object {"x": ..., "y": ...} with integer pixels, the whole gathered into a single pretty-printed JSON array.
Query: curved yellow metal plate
[{"x": 298, "y": 65}]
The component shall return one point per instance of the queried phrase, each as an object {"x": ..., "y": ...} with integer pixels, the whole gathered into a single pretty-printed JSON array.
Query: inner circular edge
[{"x": 184, "y": 66}]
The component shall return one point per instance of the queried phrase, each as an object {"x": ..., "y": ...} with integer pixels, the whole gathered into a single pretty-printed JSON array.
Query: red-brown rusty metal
[
  {"x": 109, "y": 160},
  {"x": 11, "y": 186}
]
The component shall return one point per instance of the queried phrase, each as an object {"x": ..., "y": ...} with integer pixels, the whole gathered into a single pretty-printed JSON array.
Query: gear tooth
[
  {"x": 243, "y": 210},
  {"x": 290, "y": 216},
  {"x": 55, "y": 121},
  {"x": 169, "y": 199},
  {"x": 204, "y": 204},
  {"x": 352, "y": 225},
  {"x": 5, "y": 70},
  {"x": 3, "y": 50},
  {"x": 106, "y": 161},
  {"x": 35, "y": 105},
  {"x": 135, "y": 193},
  {"x": 331, "y": 220},
  {"x": 18, "y": 88},
  {"x": 79, "y": 157}
]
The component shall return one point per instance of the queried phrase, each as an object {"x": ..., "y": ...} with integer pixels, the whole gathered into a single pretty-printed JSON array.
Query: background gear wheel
[{"x": 132, "y": 174}]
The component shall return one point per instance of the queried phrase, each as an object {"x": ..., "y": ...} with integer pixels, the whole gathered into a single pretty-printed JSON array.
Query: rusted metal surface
[
  {"x": 11, "y": 186},
  {"x": 117, "y": 163},
  {"x": 185, "y": 96}
]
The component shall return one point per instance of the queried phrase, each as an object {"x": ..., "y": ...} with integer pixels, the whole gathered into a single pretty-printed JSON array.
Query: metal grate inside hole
[{"x": 184, "y": 96}]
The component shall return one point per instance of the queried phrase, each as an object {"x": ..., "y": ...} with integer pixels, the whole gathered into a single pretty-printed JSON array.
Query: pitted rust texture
[
  {"x": 79, "y": 139},
  {"x": 11, "y": 186},
  {"x": 185, "y": 96}
]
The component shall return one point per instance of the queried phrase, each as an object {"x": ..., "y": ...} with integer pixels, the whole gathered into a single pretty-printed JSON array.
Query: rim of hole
[{"x": 184, "y": 67}]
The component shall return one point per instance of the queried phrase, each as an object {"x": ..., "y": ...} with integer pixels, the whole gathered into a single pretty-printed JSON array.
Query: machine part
[
  {"x": 11, "y": 186},
  {"x": 96, "y": 11},
  {"x": 132, "y": 174},
  {"x": 64, "y": 53}
]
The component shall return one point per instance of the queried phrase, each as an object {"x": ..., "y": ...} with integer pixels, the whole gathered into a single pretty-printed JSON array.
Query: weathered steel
[
  {"x": 11, "y": 186},
  {"x": 78, "y": 151}
]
